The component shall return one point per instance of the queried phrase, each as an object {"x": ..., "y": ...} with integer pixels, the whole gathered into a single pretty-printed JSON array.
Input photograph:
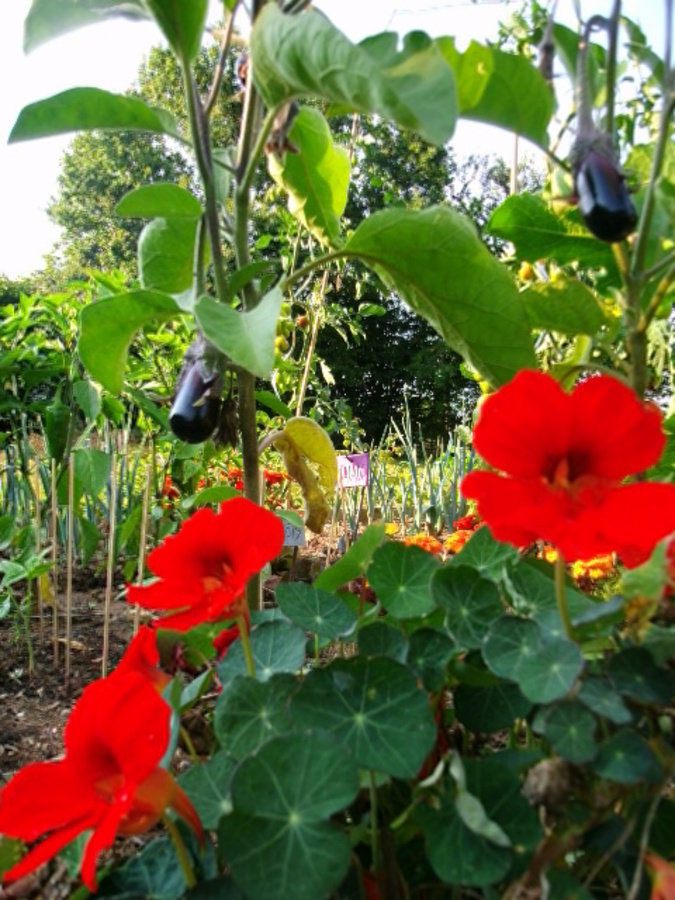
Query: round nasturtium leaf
[
  {"x": 636, "y": 675},
  {"x": 550, "y": 673},
  {"x": 324, "y": 614},
  {"x": 373, "y": 709},
  {"x": 276, "y": 647},
  {"x": 429, "y": 652},
  {"x": 570, "y": 728},
  {"x": 401, "y": 578},
  {"x": 491, "y": 708},
  {"x": 207, "y": 784},
  {"x": 470, "y": 601},
  {"x": 249, "y": 713},
  {"x": 380, "y": 639},
  {"x": 627, "y": 758},
  {"x": 600, "y": 696},
  {"x": 490, "y": 557},
  {"x": 277, "y": 840},
  {"x": 508, "y": 644}
]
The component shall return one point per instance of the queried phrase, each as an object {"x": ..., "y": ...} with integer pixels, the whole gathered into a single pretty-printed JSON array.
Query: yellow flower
[
  {"x": 594, "y": 569},
  {"x": 457, "y": 540}
]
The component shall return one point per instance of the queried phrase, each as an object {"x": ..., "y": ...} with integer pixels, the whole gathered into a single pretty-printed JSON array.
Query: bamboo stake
[
  {"x": 55, "y": 561},
  {"x": 142, "y": 542},
  {"x": 38, "y": 547},
  {"x": 69, "y": 564},
  {"x": 112, "y": 520}
]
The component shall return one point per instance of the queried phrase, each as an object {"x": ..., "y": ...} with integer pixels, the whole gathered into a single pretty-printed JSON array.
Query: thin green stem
[
  {"x": 561, "y": 596},
  {"x": 665, "y": 263},
  {"x": 613, "y": 29},
  {"x": 316, "y": 650},
  {"x": 251, "y": 164},
  {"x": 374, "y": 824},
  {"x": 316, "y": 263},
  {"x": 246, "y": 643},
  {"x": 187, "y": 740},
  {"x": 657, "y": 299},
  {"x": 222, "y": 60},
  {"x": 181, "y": 851}
]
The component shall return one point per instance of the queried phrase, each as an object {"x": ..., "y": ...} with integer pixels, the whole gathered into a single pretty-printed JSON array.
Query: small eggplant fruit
[
  {"x": 604, "y": 202},
  {"x": 196, "y": 404}
]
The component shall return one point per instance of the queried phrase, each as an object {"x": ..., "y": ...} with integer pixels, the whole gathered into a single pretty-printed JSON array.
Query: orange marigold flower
[
  {"x": 550, "y": 554},
  {"x": 562, "y": 460},
  {"x": 425, "y": 541},
  {"x": 457, "y": 540},
  {"x": 274, "y": 477}
]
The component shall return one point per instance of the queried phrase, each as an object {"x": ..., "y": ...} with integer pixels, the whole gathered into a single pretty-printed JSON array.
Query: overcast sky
[{"x": 109, "y": 55}]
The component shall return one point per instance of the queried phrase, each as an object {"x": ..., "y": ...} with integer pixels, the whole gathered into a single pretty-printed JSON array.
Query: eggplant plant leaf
[
  {"x": 88, "y": 109},
  {"x": 501, "y": 89},
  {"x": 306, "y": 56},
  {"x": 182, "y": 23},
  {"x": 107, "y": 328},
  {"x": 246, "y": 337},
  {"x": 435, "y": 261},
  {"x": 566, "y": 306},
  {"x": 166, "y": 254},
  {"x": 316, "y": 178},
  {"x": 159, "y": 199},
  {"x": 48, "y": 19}
]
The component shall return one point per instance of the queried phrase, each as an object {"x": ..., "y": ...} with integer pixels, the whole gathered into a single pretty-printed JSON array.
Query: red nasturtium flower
[
  {"x": 203, "y": 569},
  {"x": 109, "y": 781},
  {"x": 142, "y": 656},
  {"x": 563, "y": 458},
  {"x": 223, "y": 641},
  {"x": 467, "y": 523}
]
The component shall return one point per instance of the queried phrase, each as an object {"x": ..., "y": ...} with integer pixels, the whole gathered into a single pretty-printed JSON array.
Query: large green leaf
[
  {"x": 246, "y": 337},
  {"x": 86, "y": 109},
  {"x": 627, "y": 758},
  {"x": 537, "y": 232},
  {"x": 381, "y": 639},
  {"x": 401, "y": 578},
  {"x": 470, "y": 602},
  {"x": 435, "y": 261},
  {"x": 207, "y": 784},
  {"x": 276, "y": 647},
  {"x": 154, "y": 874},
  {"x": 490, "y": 708},
  {"x": 278, "y": 841},
  {"x": 501, "y": 89},
  {"x": 636, "y": 675},
  {"x": 166, "y": 250},
  {"x": 249, "y": 713},
  {"x": 570, "y": 728},
  {"x": 316, "y": 178},
  {"x": 159, "y": 199},
  {"x": 565, "y": 306},
  {"x": 107, "y": 328},
  {"x": 510, "y": 641},
  {"x": 315, "y": 610},
  {"x": 306, "y": 56},
  {"x": 491, "y": 558},
  {"x": 429, "y": 652},
  {"x": 92, "y": 473},
  {"x": 550, "y": 674},
  {"x": 373, "y": 709},
  {"x": 47, "y": 19},
  {"x": 182, "y": 22}
]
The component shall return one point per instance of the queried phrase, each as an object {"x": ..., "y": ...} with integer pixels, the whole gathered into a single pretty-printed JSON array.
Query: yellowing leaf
[
  {"x": 45, "y": 590},
  {"x": 313, "y": 443},
  {"x": 302, "y": 442}
]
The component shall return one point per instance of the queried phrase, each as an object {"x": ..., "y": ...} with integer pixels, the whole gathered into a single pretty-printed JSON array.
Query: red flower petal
[
  {"x": 142, "y": 657},
  {"x": 619, "y": 434},
  {"x": 45, "y": 850},
  {"x": 102, "y": 838}
]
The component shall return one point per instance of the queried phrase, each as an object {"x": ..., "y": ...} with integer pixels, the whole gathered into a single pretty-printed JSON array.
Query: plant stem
[
  {"x": 657, "y": 298},
  {"x": 316, "y": 263},
  {"x": 611, "y": 65},
  {"x": 560, "y": 596},
  {"x": 181, "y": 851},
  {"x": 312, "y": 346},
  {"x": 374, "y": 826},
  {"x": 222, "y": 60},
  {"x": 246, "y": 643}
]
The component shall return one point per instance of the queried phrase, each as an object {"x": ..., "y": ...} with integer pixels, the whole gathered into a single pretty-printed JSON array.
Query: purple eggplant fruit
[
  {"x": 196, "y": 404},
  {"x": 604, "y": 202}
]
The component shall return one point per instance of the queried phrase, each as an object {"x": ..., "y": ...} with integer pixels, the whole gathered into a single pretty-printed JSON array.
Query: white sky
[{"x": 109, "y": 55}]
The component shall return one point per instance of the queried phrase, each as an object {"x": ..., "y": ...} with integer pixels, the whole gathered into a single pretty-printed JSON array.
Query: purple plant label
[
  {"x": 293, "y": 536},
  {"x": 353, "y": 470}
]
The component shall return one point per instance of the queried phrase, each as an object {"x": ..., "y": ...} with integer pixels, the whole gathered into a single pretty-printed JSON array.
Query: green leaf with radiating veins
[
  {"x": 249, "y": 713},
  {"x": 246, "y": 337},
  {"x": 315, "y": 610},
  {"x": 316, "y": 177},
  {"x": 373, "y": 709},
  {"x": 275, "y": 646},
  {"x": 627, "y": 758},
  {"x": 108, "y": 326},
  {"x": 509, "y": 642},
  {"x": 401, "y": 578},
  {"x": 182, "y": 23},
  {"x": 306, "y": 56},
  {"x": 88, "y": 109},
  {"x": 570, "y": 728},
  {"x": 551, "y": 672},
  {"x": 48, "y": 19},
  {"x": 278, "y": 840},
  {"x": 207, "y": 784},
  {"x": 470, "y": 602},
  {"x": 435, "y": 261},
  {"x": 161, "y": 199},
  {"x": 499, "y": 88}
]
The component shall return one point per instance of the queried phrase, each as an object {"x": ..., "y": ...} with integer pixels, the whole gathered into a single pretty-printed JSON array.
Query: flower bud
[{"x": 604, "y": 202}]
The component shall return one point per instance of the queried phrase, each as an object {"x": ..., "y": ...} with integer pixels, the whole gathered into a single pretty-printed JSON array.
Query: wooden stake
[
  {"x": 69, "y": 564},
  {"x": 38, "y": 546},
  {"x": 54, "y": 528},
  {"x": 112, "y": 521},
  {"x": 142, "y": 542}
]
